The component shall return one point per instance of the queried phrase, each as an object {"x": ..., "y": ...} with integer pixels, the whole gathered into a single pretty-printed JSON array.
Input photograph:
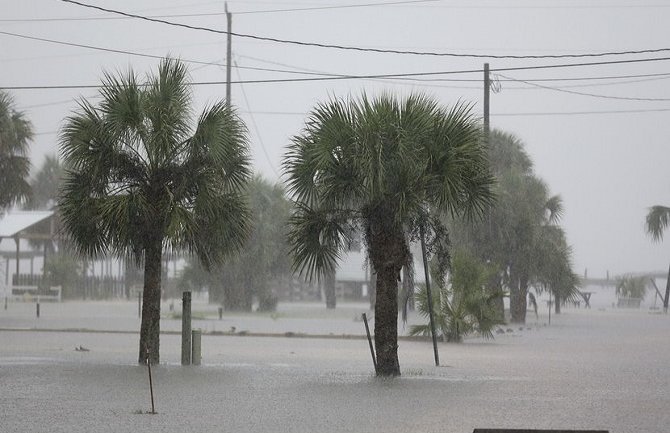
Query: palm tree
[
  {"x": 513, "y": 231},
  {"x": 657, "y": 221},
  {"x": 16, "y": 132},
  {"x": 553, "y": 267},
  {"x": 463, "y": 307},
  {"x": 45, "y": 184},
  {"x": 387, "y": 168},
  {"x": 139, "y": 179}
]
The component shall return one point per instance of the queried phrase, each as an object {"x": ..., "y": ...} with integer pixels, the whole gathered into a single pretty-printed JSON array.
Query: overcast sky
[{"x": 606, "y": 153}]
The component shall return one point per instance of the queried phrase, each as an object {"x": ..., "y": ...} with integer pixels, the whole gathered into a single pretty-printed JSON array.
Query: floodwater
[{"x": 591, "y": 369}]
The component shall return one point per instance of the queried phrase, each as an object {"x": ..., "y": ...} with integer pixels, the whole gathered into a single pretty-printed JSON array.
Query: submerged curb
[{"x": 215, "y": 333}]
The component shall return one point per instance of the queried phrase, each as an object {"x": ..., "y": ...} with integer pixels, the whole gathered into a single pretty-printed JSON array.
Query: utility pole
[
  {"x": 487, "y": 89},
  {"x": 229, "y": 59}
]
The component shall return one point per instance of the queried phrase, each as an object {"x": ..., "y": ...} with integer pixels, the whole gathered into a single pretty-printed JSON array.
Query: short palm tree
[
  {"x": 139, "y": 178},
  {"x": 657, "y": 221},
  {"x": 16, "y": 131},
  {"x": 386, "y": 168},
  {"x": 463, "y": 306}
]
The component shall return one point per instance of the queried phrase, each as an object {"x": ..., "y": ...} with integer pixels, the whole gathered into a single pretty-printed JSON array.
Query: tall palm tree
[
  {"x": 513, "y": 237},
  {"x": 387, "y": 168},
  {"x": 16, "y": 132},
  {"x": 45, "y": 184},
  {"x": 139, "y": 178},
  {"x": 657, "y": 221}
]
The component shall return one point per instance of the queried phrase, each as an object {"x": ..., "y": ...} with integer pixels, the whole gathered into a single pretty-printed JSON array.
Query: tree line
[{"x": 141, "y": 176}]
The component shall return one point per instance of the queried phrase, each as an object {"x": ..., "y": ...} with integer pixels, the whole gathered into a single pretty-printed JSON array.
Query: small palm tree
[
  {"x": 463, "y": 307},
  {"x": 16, "y": 131},
  {"x": 632, "y": 286},
  {"x": 657, "y": 221},
  {"x": 385, "y": 168},
  {"x": 139, "y": 179}
]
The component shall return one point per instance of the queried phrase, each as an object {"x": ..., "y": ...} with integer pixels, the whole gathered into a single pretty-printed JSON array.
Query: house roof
[{"x": 14, "y": 222}]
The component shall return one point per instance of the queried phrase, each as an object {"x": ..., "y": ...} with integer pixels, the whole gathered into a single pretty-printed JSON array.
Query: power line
[
  {"x": 317, "y": 8},
  {"x": 360, "y": 77},
  {"x": 253, "y": 122},
  {"x": 370, "y": 50},
  {"x": 210, "y": 14},
  {"x": 579, "y": 113},
  {"x": 321, "y": 74},
  {"x": 594, "y": 95},
  {"x": 151, "y": 56}
]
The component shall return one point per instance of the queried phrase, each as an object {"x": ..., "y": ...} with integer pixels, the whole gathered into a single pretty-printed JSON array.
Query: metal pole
[
  {"x": 429, "y": 295},
  {"x": 667, "y": 293},
  {"x": 229, "y": 57},
  {"x": 196, "y": 346},
  {"x": 186, "y": 329},
  {"x": 372, "y": 349}
]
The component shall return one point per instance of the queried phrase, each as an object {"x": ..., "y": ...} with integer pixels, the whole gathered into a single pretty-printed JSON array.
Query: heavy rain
[{"x": 403, "y": 216}]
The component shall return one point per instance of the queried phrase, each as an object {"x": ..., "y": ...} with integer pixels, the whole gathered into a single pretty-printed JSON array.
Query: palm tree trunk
[
  {"x": 557, "y": 304},
  {"x": 518, "y": 301},
  {"x": 386, "y": 321},
  {"x": 151, "y": 304},
  {"x": 329, "y": 289}
]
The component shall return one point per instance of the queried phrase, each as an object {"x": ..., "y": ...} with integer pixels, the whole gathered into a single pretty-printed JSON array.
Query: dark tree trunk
[
  {"x": 329, "y": 290},
  {"x": 557, "y": 303},
  {"x": 151, "y": 304},
  {"x": 372, "y": 288},
  {"x": 518, "y": 301},
  {"x": 236, "y": 298},
  {"x": 386, "y": 321},
  {"x": 495, "y": 286}
]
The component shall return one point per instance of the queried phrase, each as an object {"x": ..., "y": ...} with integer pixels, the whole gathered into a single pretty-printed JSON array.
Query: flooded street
[{"x": 589, "y": 369}]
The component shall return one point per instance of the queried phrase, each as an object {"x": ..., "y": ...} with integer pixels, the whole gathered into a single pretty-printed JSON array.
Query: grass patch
[{"x": 176, "y": 315}]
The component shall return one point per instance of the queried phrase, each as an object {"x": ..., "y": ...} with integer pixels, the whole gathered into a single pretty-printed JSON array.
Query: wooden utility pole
[
  {"x": 487, "y": 90},
  {"x": 229, "y": 58}
]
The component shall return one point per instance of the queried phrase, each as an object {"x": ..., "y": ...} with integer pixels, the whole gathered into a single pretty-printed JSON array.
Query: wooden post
[
  {"x": 487, "y": 90},
  {"x": 372, "y": 349},
  {"x": 151, "y": 383},
  {"x": 186, "y": 329},
  {"x": 196, "y": 346},
  {"x": 18, "y": 252},
  {"x": 229, "y": 52},
  {"x": 37, "y": 308}
]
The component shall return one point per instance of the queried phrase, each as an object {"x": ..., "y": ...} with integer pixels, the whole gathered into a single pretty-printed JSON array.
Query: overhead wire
[
  {"x": 253, "y": 122},
  {"x": 210, "y": 14},
  {"x": 151, "y": 56},
  {"x": 367, "y": 49},
  {"x": 368, "y": 76},
  {"x": 594, "y": 95}
]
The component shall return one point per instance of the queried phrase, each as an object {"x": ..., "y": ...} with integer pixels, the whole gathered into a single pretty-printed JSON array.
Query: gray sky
[{"x": 608, "y": 167}]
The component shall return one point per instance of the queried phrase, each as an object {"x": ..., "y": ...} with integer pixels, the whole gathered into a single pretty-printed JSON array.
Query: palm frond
[{"x": 657, "y": 221}]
